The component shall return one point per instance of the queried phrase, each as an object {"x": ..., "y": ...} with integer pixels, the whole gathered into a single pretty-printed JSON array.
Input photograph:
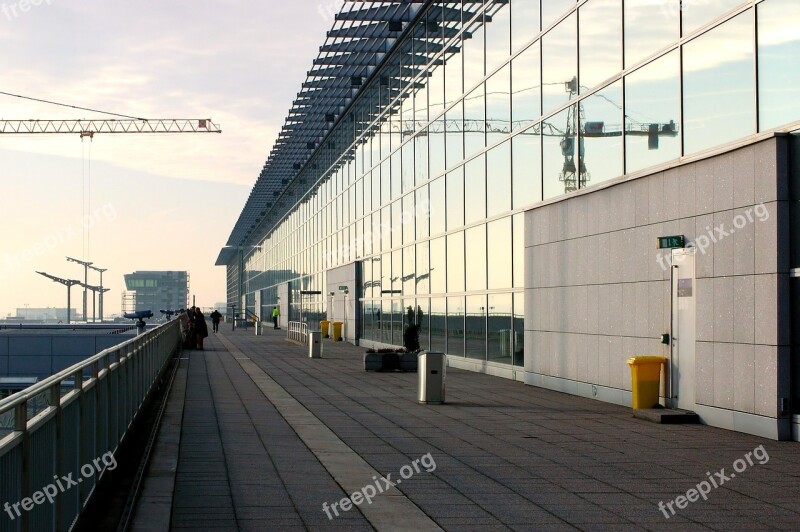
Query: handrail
[
  {"x": 77, "y": 426},
  {"x": 298, "y": 332}
]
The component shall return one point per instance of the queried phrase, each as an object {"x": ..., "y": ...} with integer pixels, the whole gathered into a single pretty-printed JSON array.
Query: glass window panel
[
  {"x": 527, "y": 168},
  {"x": 500, "y": 325},
  {"x": 652, "y": 112},
  {"x": 601, "y": 134},
  {"x": 498, "y": 33},
  {"x": 600, "y": 43},
  {"x": 397, "y": 224},
  {"x": 398, "y": 321},
  {"x": 719, "y": 85},
  {"x": 498, "y": 179},
  {"x": 409, "y": 270},
  {"x": 386, "y": 228},
  {"x": 438, "y": 324},
  {"x": 423, "y": 270},
  {"x": 436, "y": 133},
  {"x": 368, "y": 320},
  {"x": 475, "y": 327},
  {"x": 376, "y": 188},
  {"x": 560, "y": 64},
  {"x": 498, "y": 105},
  {"x": 519, "y": 250},
  {"x": 526, "y": 104},
  {"x": 421, "y": 156},
  {"x": 474, "y": 121},
  {"x": 438, "y": 267},
  {"x": 396, "y": 175},
  {"x": 649, "y": 27},
  {"x": 422, "y": 319},
  {"x": 475, "y": 189},
  {"x": 377, "y": 233},
  {"x": 454, "y": 81},
  {"x": 696, "y": 14},
  {"x": 455, "y": 326},
  {"x": 473, "y": 52},
  {"x": 455, "y": 198},
  {"x": 524, "y": 22},
  {"x": 454, "y": 131},
  {"x": 778, "y": 73},
  {"x": 475, "y": 250},
  {"x": 422, "y": 212},
  {"x": 500, "y": 256},
  {"x": 407, "y": 217},
  {"x": 437, "y": 211},
  {"x": 436, "y": 90},
  {"x": 407, "y": 152},
  {"x": 386, "y": 272},
  {"x": 552, "y": 9},
  {"x": 454, "y": 262},
  {"x": 421, "y": 105},
  {"x": 559, "y": 163}
]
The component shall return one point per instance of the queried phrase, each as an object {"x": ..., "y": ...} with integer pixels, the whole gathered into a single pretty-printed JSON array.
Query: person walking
[
  {"x": 200, "y": 327},
  {"x": 275, "y": 314},
  {"x": 215, "y": 317}
]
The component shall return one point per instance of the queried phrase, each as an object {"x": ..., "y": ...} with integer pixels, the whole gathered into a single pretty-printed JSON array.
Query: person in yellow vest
[{"x": 275, "y": 314}]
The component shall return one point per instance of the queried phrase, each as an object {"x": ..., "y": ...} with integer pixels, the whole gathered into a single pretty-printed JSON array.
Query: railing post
[
  {"x": 21, "y": 425},
  {"x": 55, "y": 402}
]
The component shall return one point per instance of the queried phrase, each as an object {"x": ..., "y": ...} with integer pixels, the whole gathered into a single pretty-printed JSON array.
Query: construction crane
[{"x": 88, "y": 128}]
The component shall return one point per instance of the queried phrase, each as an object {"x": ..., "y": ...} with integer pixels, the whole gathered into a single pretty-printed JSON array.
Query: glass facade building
[{"x": 473, "y": 113}]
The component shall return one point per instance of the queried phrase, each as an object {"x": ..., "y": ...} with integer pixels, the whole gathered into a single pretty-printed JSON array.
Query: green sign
[
  {"x": 669, "y": 242},
  {"x": 342, "y": 288}
]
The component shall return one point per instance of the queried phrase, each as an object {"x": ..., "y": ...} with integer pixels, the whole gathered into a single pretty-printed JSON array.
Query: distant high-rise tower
[{"x": 157, "y": 290}]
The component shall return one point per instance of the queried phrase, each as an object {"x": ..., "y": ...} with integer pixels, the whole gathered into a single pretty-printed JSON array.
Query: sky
[{"x": 140, "y": 202}]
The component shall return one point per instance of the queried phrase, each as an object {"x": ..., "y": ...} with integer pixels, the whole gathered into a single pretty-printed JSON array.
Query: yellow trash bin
[
  {"x": 337, "y": 331},
  {"x": 323, "y": 328},
  {"x": 645, "y": 380}
]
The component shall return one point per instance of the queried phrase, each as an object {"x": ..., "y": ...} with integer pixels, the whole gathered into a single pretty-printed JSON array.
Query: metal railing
[
  {"x": 85, "y": 412},
  {"x": 298, "y": 332}
]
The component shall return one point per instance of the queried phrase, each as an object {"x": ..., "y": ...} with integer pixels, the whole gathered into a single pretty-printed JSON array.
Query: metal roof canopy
[{"x": 363, "y": 36}]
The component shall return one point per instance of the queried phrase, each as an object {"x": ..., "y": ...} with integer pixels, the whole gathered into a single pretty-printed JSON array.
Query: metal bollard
[{"x": 431, "y": 369}]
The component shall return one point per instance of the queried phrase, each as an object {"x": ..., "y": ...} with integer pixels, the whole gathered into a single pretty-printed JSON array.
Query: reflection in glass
[
  {"x": 454, "y": 134},
  {"x": 778, "y": 74},
  {"x": 560, "y": 64},
  {"x": 499, "y": 253},
  {"x": 436, "y": 91},
  {"x": 519, "y": 250},
  {"x": 498, "y": 179},
  {"x": 519, "y": 329},
  {"x": 475, "y": 249},
  {"x": 421, "y": 157},
  {"x": 498, "y": 105},
  {"x": 455, "y": 262},
  {"x": 398, "y": 320},
  {"x": 474, "y": 53},
  {"x": 475, "y": 189},
  {"x": 560, "y": 164},
  {"x": 526, "y": 87},
  {"x": 436, "y": 133},
  {"x": 719, "y": 85},
  {"x": 385, "y": 322},
  {"x": 601, "y": 131},
  {"x": 524, "y": 22},
  {"x": 600, "y": 37},
  {"x": 454, "y": 82},
  {"x": 438, "y": 324},
  {"x": 423, "y": 319},
  {"x": 407, "y": 217},
  {"x": 423, "y": 271},
  {"x": 438, "y": 268},
  {"x": 498, "y": 33},
  {"x": 649, "y": 28},
  {"x": 437, "y": 216},
  {"x": 552, "y": 9},
  {"x": 696, "y": 14},
  {"x": 455, "y": 198},
  {"x": 475, "y": 327},
  {"x": 409, "y": 278},
  {"x": 455, "y": 326},
  {"x": 652, "y": 112},
  {"x": 500, "y": 343},
  {"x": 407, "y": 154},
  {"x": 527, "y": 168},
  {"x": 474, "y": 121},
  {"x": 422, "y": 212}
]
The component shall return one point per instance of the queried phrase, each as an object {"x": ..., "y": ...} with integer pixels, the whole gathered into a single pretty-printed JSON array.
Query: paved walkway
[{"x": 269, "y": 436}]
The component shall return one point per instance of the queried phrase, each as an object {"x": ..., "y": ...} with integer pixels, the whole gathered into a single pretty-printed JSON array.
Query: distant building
[
  {"x": 43, "y": 315},
  {"x": 156, "y": 290}
]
